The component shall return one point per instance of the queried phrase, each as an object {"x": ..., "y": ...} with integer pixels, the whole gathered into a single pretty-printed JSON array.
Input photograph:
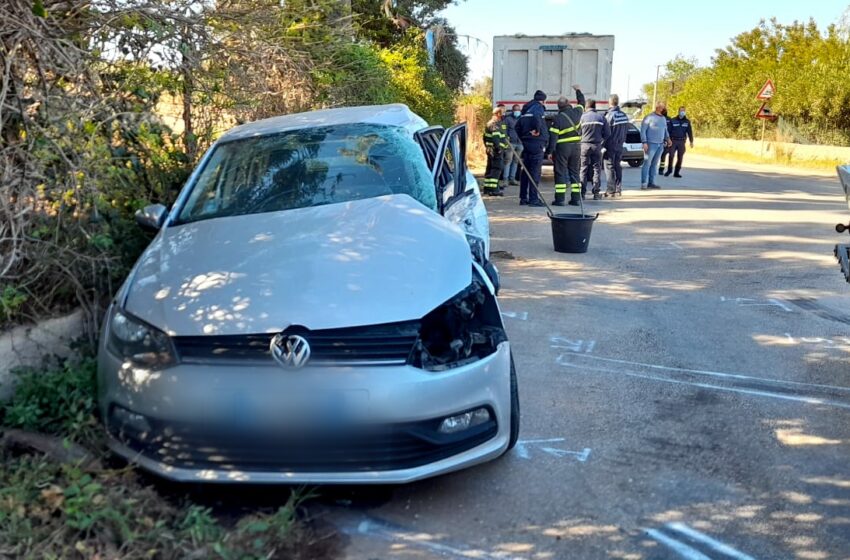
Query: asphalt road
[{"x": 685, "y": 386}]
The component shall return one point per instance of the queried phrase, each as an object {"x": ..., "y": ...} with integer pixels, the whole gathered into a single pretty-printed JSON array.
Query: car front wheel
[{"x": 633, "y": 163}]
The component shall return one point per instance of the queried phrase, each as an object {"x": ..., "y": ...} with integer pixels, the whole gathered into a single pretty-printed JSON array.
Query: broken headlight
[
  {"x": 134, "y": 340},
  {"x": 463, "y": 330}
]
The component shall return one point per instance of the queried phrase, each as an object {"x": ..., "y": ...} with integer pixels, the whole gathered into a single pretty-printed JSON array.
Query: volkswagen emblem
[{"x": 290, "y": 350}]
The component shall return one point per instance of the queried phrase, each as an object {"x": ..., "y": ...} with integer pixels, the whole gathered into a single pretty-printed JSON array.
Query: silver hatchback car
[{"x": 318, "y": 306}]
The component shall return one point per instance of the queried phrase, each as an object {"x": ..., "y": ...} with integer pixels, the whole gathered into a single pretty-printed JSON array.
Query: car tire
[
  {"x": 633, "y": 163},
  {"x": 515, "y": 415}
]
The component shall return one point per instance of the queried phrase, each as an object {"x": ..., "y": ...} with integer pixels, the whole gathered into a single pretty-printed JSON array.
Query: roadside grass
[
  {"x": 55, "y": 508},
  {"x": 780, "y": 157}
]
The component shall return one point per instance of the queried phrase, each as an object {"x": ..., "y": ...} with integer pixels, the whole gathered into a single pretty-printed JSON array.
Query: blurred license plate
[{"x": 252, "y": 408}]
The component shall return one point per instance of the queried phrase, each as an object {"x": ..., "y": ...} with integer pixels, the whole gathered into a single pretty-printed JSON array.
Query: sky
[{"x": 647, "y": 33}]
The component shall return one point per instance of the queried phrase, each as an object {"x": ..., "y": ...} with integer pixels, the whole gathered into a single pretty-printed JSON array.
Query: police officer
[
  {"x": 680, "y": 129},
  {"x": 564, "y": 139},
  {"x": 618, "y": 123},
  {"x": 594, "y": 132},
  {"x": 534, "y": 134},
  {"x": 495, "y": 144}
]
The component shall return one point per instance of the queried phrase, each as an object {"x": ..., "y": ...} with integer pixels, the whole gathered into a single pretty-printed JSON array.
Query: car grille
[
  {"x": 401, "y": 446},
  {"x": 388, "y": 344}
]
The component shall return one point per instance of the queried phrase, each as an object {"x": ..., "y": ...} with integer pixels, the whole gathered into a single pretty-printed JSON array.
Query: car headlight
[
  {"x": 134, "y": 340},
  {"x": 463, "y": 330}
]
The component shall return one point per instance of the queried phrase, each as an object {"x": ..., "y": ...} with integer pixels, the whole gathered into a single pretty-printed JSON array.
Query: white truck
[{"x": 523, "y": 64}]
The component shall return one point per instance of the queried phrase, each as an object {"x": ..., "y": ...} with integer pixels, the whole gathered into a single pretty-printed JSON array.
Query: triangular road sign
[
  {"x": 765, "y": 113},
  {"x": 767, "y": 91}
]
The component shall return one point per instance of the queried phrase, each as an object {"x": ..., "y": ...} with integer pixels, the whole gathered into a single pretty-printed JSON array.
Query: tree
[{"x": 808, "y": 66}]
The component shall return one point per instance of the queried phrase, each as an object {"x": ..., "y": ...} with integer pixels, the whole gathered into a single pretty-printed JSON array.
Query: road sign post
[{"x": 764, "y": 113}]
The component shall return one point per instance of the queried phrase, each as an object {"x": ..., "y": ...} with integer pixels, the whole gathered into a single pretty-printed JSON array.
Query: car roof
[{"x": 395, "y": 114}]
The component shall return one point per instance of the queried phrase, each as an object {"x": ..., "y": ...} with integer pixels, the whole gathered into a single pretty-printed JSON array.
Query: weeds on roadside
[
  {"x": 60, "y": 400},
  {"x": 53, "y": 510}
]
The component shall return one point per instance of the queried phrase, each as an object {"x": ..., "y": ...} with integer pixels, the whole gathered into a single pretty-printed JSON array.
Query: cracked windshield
[{"x": 424, "y": 279}]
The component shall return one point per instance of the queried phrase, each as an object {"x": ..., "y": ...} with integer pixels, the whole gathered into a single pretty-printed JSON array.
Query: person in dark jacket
[
  {"x": 534, "y": 134},
  {"x": 564, "y": 149},
  {"x": 594, "y": 132},
  {"x": 680, "y": 129},
  {"x": 612, "y": 157},
  {"x": 512, "y": 155},
  {"x": 495, "y": 144}
]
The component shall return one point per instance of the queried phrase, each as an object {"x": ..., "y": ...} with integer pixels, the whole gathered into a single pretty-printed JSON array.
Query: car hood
[{"x": 373, "y": 261}]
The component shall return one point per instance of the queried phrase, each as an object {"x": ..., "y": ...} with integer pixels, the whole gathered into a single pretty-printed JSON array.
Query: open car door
[
  {"x": 842, "y": 250},
  {"x": 458, "y": 196}
]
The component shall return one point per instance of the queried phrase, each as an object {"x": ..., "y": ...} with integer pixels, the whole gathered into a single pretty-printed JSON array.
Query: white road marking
[
  {"x": 715, "y": 373},
  {"x": 676, "y": 245},
  {"x": 580, "y": 455},
  {"x": 522, "y": 450},
  {"x": 585, "y": 346},
  {"x": 808, "y": 400},
  {"x": 679, "y": 548},
  {"x": 714, "y": 544},
  {"x": 379, "y": 529},
  {"x": 751, "y": 302},
  {"x": 522, "y": 315}
]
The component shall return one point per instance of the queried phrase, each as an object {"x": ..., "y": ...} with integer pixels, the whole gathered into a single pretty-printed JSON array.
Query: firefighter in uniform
[
  {"x": 495, "y": 143},
  {"x": 533, "y": 131},
  {"x": 612, "y": 159},
  {"x": 564, "y": 141},
  {"x": 594, "y": 132}
]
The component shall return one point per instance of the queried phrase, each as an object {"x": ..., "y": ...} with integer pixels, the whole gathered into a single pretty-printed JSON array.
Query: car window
[{"x": 309, "y": 167}]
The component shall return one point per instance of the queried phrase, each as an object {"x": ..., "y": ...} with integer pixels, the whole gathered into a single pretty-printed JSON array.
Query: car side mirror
[{"x": 151, "y": 218}]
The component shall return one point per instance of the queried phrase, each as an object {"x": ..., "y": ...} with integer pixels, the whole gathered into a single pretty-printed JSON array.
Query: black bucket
[{"x": 571, "y": 232}]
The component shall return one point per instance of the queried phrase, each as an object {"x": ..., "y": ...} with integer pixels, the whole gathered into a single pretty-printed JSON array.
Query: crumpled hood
[{"x": 373, "y": 261}]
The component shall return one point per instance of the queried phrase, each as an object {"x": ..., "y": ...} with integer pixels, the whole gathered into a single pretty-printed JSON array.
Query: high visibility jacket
[
  {"x": 565, "y": 127},
  {"x": 496, "y": 136}
]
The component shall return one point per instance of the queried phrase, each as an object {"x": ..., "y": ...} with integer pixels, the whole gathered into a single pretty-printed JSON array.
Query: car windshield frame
[{"x": 314, "y": 166}]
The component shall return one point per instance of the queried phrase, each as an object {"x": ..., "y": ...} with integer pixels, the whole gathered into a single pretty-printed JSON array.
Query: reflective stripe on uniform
[
  {"x": 570, "y": 139},
  {"x": 560, "y": 188},
  {"x": 576, "y": 187}
]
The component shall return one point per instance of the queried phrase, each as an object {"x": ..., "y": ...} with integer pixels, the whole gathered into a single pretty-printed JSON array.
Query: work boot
[
  {"x": 597, "y": 196},
  {"x": 559, "y": 199},
  {"x": 652, "y": 186},
  {"x": 669, "y": 171},
  {"x": 574, "y": 199},
  {"x": 677, "y": 175},
  {"x": 536, "y": 204},
  {"x": 513, "y": 183}
]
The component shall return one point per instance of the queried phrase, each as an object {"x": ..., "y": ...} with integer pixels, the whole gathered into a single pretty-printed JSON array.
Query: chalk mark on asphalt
[
  {"x": 371, "y": 527},
  {"x": 694, "y": 538},
  {"x": 719, "y": 374},
  {"x": 808, "y": 400},
  {"x": 523, "y": 452},
  {"x": 522, "y": 315},
  {"x": 751, "y": 302},
  {"x": 583, "y": 346}
]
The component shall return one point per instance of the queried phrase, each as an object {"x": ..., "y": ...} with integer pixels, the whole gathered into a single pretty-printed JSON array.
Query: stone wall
[{"x": 29, "y": 345}]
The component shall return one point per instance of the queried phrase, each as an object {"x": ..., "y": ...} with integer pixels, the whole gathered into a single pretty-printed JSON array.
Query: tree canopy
[{"x": 808, "y": 66}]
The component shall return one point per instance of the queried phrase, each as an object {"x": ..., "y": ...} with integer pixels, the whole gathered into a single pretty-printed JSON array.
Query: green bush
[
  {"x": 60, "y": 400},
  {"x": 416, "y": 83}
]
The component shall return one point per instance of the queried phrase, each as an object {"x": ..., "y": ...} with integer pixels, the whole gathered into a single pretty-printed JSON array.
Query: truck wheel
[
  {"x": 514, "y": 408},
  {"x": 633, "y": 163}
]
